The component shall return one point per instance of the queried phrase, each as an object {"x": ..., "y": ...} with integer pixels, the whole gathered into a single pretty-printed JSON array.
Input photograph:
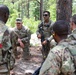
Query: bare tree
[{"x": 64, "y": 9}]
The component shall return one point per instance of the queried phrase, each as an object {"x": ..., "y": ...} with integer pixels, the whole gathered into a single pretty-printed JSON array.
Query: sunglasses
[{"x": 45, "y": 14}]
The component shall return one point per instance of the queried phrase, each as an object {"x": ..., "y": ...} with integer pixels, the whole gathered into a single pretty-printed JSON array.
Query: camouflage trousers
[
  {"x": 26, "y": 53},
  {"x": 45, "y": 50}
]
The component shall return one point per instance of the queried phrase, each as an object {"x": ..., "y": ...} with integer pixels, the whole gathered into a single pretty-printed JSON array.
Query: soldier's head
[
  {"x": 73, "y": 22},
  {"x": 60, "y": 30},
  {"x": 4, "y": 13},
  {"x": 46, "y": 15},
  {"x": 19, "y": 23}
]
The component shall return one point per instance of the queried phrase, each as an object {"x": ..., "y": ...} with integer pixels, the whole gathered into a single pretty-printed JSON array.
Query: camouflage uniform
[
  {"x": 5, "y": 45},
  {"x": 46, "y": 28},
  {"x": 58, "y": 62},
  {"x": 24, "y": 35},
  {"x": 72, "y": 36}
]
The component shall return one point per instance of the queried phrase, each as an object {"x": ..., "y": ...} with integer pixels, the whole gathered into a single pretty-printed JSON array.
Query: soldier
[
  {"x": 59, "y": 60},
  {"x": 21, "y": 37},
  {"x": 5, "y": 44},
  {"x": 73, "y": 27},
  {"x": 44, "y": 32},
  {"x": 72, "y": 37}
]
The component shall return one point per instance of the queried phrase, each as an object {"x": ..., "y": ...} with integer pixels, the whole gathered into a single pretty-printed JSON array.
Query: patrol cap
[
  {"x": 61, "y": 27},
  {"x": 18, "y": 20}
]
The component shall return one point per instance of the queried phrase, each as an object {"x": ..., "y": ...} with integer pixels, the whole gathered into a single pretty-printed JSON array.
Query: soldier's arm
[
  {"x": 6, "y": 45},
  {"x": 67, "y": 63},
  {"x": 6, "y": 41},
  {"x": 50, "y": 66},
  {"x": 49, "y": 38},
  {"x": 26, "y": 38},
  {"x": 38, "y": 31}
]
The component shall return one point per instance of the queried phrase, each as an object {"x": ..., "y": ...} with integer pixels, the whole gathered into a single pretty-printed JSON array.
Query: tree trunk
[
  {"x": 41, "y": 9},
  {"x": 64, "y": 9},
  {"x": 28, "y": 9}
]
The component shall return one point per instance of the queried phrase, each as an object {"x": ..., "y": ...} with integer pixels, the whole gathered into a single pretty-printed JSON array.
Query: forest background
[{"x": 29, "y": 11}]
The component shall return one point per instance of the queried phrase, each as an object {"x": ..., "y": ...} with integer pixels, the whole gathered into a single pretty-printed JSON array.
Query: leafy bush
[{"x": 31, "y": 24}]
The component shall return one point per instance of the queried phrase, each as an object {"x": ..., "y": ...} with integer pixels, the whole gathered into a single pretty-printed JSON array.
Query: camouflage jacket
[
  {"x": 24, "y": 34},
  {"x": 46, "y": 28},
  {"x": 72, "y": 36},
  {"x": 5, "y": 44},
  {"x": 58, "y": 62}
]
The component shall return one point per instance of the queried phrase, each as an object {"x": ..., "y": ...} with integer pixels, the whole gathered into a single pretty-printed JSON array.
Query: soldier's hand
[
  {"x": 44, "y": 42},
  {"x": 21, "y": 43},
  {"x": 39, "y": 36}
]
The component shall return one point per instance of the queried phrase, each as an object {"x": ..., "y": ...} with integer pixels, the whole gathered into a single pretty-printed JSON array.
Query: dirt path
[{"x": 25, "y": 66}]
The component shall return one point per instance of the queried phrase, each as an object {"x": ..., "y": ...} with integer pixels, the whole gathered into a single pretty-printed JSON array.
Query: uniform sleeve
[
  {"x": 6, "y": 41},
  {"x": 27, "y": 38},
  {"x": 50, "y": 66},
  {"x": 67, "y": 63},
  {"x": 6, "y": 45},
  {"x": 38, "y": 31}
]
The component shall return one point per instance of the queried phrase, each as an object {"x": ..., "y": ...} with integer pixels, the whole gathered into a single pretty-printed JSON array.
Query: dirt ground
[{"x": 22, "y": 67}]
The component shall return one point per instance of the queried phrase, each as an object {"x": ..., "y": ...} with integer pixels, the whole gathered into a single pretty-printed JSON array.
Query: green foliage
[
  {"x": 52, "y": 9},
  {"x": 36, "y": 10},
  {"x": 31, "y": 24},
  {"x": 46, "y": 4},
  {"x": 53, "y": 12},
  {"x": 12, "y": 18},
  {"x": 74, "y": 7}
]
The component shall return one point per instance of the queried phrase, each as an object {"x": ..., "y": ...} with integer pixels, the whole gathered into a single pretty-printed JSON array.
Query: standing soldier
[
  {"x": 44, "y": 32},
  {"x": 21, "y": 37},
  {"x": 5, "y": 44},
  {"x": 59, "y": 60}
]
